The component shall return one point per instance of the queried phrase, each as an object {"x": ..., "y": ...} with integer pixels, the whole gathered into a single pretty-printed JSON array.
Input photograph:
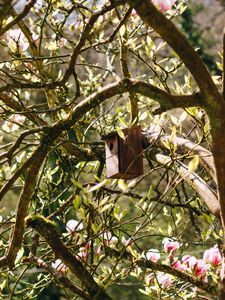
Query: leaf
[
  {"x": 3, "y": 285},
  {"x": 94, "y": 228},
  {"x": 19, "y": 255},
  {"x": 120, "y": 133},
  {"x": 98, "y": 186},
  {"x": 122, "y": 185},
  {"x": 122, "y": 30},
  {"x": 76, "y": 202},
  {"x": 106, "y": 207},
  {"x": 183, "y": 117},
  {"x": 77, "y": 184},
  {"x": 193, "y": 164},
  {"x": 143, "y": 116},
  {"x": 174, "y": 120}
]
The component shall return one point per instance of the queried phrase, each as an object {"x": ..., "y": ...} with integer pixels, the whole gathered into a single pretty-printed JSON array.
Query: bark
[{"x": 48, "y": 230}]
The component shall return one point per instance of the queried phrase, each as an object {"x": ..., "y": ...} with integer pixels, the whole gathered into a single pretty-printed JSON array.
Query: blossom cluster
[{"x": 200, "y": 268}]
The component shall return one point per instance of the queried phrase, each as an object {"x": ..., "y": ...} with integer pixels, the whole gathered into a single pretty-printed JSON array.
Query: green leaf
[
  {"x": 120, "y": 133},
  {"x": 77, "y": 184},
  {"x": 122, "y": 185},
  {"x": 19, "y": 255},
  {"x": 193, "y": 164},
  {"x": 76, "y": 202},
  {"x": 122, "y": 30},
  {"x": 98, "y": 186},
  {"x": 106, "y": 207},
  {"x": 3, "y": 285}
]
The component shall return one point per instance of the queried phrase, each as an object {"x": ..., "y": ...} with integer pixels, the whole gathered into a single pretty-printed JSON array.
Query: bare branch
[{"x": 168, "y": 31}]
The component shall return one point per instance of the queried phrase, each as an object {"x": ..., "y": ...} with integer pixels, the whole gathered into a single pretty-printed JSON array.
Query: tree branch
[
  {"x": 19, "y": 17},
  {"x": 48, "y": 231},
  {"x": 61, "y": 279},
  {"x": 177, "y": 41},
  {"x": 211, "y": 289},
  {"x": 195, "y": 182}
]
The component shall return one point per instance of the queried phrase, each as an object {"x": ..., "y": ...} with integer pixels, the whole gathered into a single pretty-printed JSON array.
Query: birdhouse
[{"x": 124, "y": 157}]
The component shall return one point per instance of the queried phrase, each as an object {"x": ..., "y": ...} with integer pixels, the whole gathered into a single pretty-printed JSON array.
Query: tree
[{"x": 71, "y": 72}]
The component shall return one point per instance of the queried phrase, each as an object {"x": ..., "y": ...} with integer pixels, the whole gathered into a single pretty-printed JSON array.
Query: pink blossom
[
  {"x": 200, "y": 269},
  {"x": 197, "y": 266},
  {"x": 83, "y": 252},
  {"x": 62, "y": 42},
  {"x": 170, "y": 245},
  {"x": 134, "y": 13},
  {"x": 165, "y": 280},
  {"x": 73, "y": 225},
  {"x": 14, "y": 38},
  {"x": 212, "y": 256},
  {"x": 149, "y": 279},
  {"x": 164, "y": 5},
  {"x": 60, "y": 266},
  {"x": 13, "y": 123},
  {"x": 153, "y": 255},
  {"x": 185, "y": 259},
  {"x": 108, "y": 238},
  {"x": 179, "y": 266},
  {"x": 126, "y": 242}
]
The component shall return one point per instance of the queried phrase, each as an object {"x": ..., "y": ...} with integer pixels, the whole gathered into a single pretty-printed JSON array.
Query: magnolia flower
[
  {"x": 197, "y": 266},
  {"x": 149, "y": 279},
  {"x": 164, "y": 280},
  {"x": 126, "y": 242},
  {"x": 153, "y": 255},
  {"x": 59, "y": 266},
  {"x": 83, "y": 252},
  {"x": 134, "y": 13},
  {"x": 212, "y": 256},
  {"x": 15, "y": 38},
  {"x": 108, "y": 238},
  {"x": 185, "y": 259},
  {"x": 200, "y": 269},
  {"x": 170, "y": 246},
  {"x": 73, "y": 225},
  {"x": 13, "y": 123},
  {"x": 179, "y": 266},
  {"x": 164, "y": 5},
  {"x": 62, "y": 42}
]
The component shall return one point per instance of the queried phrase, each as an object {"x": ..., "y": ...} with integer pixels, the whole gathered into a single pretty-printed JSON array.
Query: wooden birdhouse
[{"x": 124, "y": 157}]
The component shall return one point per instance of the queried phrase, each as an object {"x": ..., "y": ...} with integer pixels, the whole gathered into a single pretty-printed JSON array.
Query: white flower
[
  {"x": 164, "y": 5},
  {"x": 153, "y": 255},
  {"x": 15, "y": 38},
  {"x": 59, "y": 266},
  {"x": 73, "y": 225}
]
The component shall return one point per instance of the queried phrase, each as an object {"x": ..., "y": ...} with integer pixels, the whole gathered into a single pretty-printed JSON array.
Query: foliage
[{"x": 72, "y": 72}]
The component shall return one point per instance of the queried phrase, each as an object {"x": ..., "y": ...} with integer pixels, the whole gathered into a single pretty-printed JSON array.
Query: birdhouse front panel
[
  {"x": 131, "y": 158},
  {"x": 124, "y": 157}
]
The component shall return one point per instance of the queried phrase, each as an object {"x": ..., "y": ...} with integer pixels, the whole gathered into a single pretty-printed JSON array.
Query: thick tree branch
[
  {"x": 211, "y": 289},
  {"x": 22, "y": 207},
  {"x": 48, "y": 230},
  {"x": 59, "y": 277},
  {"x": 18, "y": 17},
  {"x": 195, "y": 182}
]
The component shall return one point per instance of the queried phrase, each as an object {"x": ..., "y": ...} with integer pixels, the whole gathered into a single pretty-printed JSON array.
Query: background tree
[{"x": 71, "y": 72}]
